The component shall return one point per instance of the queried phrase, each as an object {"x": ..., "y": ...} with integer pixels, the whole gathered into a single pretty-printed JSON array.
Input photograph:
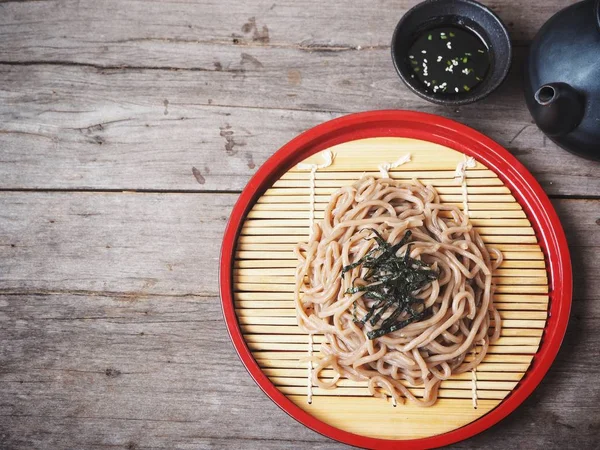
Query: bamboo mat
[{"x": 264, "y": 281}]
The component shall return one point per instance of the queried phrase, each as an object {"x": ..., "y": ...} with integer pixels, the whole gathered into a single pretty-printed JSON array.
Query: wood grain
[
  {"x": 81, "y": 127},
  {"x": 167, "y": 33}
]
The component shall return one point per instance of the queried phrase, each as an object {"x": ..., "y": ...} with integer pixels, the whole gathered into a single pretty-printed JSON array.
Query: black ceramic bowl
[{"x": 464, "y": 14}]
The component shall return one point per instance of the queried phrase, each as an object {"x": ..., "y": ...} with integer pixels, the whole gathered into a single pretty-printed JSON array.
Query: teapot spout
[{"x": 559, "y": 108}]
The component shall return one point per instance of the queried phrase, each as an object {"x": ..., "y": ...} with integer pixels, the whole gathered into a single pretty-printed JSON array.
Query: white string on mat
[
  {"x": 474, "y": 378},
  {"x": 385, "y": 167},
  {"x": 461, "y": 175},
  {"x": 328, "y": 158},
  {"x": 474, "y": 385}
]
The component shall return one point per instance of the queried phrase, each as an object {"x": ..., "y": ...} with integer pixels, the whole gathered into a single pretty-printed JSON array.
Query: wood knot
[{"x": 112, "y": 373}]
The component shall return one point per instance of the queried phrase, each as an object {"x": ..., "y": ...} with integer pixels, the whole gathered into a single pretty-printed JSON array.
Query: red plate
[{"x": 459, "y": 137}]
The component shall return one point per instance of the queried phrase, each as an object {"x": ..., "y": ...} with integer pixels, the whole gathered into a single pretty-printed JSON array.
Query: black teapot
[{"x": 562, "y": 79}]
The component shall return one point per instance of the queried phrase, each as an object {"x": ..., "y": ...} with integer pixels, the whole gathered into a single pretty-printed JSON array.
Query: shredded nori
[{"x": 392, "y": 281}]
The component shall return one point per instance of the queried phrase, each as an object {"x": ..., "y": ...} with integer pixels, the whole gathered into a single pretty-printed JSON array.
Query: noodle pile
[{"x": 459, "y": 316}]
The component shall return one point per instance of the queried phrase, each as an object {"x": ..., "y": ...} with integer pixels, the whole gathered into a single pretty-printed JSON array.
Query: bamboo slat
[
  {"x": 503, "y": 362},
  {"x": 407, "y": 421},
  {"x": 408, "y": 172},
  {"x": 326, "y": 374},
  {"x": 289, "y": 247},
  {"x": 243, "y": 277},
  {"x": 481, "y": 200},
  {"x": 509, "y": 274},
  {"x": 286, "y": 223},
  {"x": 301, "y": 231},
  {"x": 292, "y": 263},
  {"x": 257, "y": 305},
  {"x": 319, "y": 339},
  {"x": 500, "y": 289},
  {"x": 437, "y": 180},
  {"x": 264, "y": 277},
  {"x": 455, "y": 189},
  {"x": 507, "y": 368},
  {"x": 262, "y": 212},
  {"x": 498, "y": 297},
  {"x": 453, "y": 385},
  {"x": 290, "y": 312}
]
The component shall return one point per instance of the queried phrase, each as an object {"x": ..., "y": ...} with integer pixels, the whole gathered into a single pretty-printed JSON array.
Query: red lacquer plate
[{"x": 461, "y": 138}]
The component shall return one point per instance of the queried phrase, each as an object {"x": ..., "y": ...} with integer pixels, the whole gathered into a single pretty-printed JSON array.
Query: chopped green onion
[
  {"x": 466, "y": 88},
  {"x": 465, "y": 59},
  {"x": 480, "y": 51},
  {"x": 452, "y": 34},
  {"x": 429, "y": 38}
]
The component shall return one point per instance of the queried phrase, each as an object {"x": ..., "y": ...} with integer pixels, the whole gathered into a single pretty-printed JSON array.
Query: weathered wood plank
[
  {"x": 87, "y": 128},
  {"x": 168, "y": 32},
  {"x": 143, "y": 243},
  {"x": 75, "y": 366},
  {"x": 127, "y": 243}
]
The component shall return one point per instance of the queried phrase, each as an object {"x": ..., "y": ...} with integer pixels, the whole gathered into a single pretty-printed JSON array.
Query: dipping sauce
[{"x": 448, "y": 60}]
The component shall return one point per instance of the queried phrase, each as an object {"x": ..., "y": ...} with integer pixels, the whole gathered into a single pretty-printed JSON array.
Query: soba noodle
[{"x": 460, "y": 318}]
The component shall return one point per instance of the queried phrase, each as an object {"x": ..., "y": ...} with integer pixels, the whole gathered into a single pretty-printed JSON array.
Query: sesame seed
[
  {"x": 456, "y": 89},
  {"x": 423, "y": 51},
  {"x": 449, "y": 45},
  {"x": 411, "y": 56}
]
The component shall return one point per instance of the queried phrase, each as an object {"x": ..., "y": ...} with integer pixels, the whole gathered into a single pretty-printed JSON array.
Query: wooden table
[{"x": 128, "y": 129}]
